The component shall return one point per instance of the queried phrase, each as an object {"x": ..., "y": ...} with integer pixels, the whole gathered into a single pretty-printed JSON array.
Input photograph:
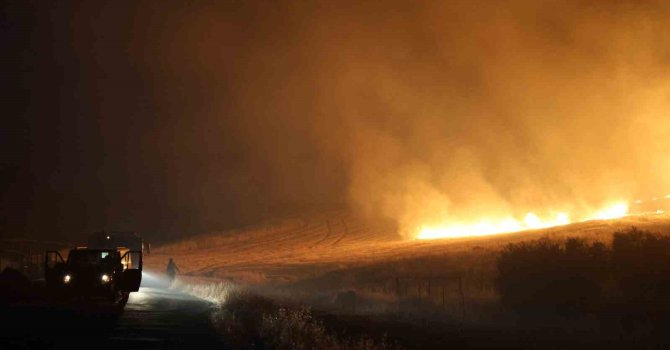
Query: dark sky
[
  {"x": 111, "y": 121},
  {"x": 180, "y": 117}
]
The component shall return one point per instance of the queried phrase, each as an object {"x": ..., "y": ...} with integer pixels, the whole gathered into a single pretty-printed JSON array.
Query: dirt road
[{"x": 156, "y": 317}]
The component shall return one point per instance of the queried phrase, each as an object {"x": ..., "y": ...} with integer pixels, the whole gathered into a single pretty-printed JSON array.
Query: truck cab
[
  {"x": 94, "y": 272},
  {"x": 115, "y": 239}
]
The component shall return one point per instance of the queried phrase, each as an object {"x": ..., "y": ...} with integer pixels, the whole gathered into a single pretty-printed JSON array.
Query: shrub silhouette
[
  {"x": 551, "y": 277},
  {"x": 567, "y": 278},
  {"x": 641, "y": 269}
]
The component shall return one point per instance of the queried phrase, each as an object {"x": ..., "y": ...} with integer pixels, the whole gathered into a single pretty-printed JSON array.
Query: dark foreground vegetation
[
  {"x": 549, "y": 294},
  {"x": 620, "y": 289},
  {"x": 568, "y": 293},
  {"x": 629, "y": 278},
  {"x": 250, "y": 321}
]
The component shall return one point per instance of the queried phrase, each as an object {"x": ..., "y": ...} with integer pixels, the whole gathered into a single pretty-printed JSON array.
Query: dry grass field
[
  {"x": 322, "y": 258},
  {"x": 368, "y": 278},
  {"x": 294, "y": 250}
]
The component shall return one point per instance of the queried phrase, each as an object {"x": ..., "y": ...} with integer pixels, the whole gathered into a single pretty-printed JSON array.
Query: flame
[
  {"x": 509, "y": 224},
  {"x": 490, "y": 227},
  {"x": 614, "y": 211}
]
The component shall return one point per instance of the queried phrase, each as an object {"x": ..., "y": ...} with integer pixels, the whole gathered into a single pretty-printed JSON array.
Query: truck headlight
[
  {"x": 105, "y": 278},
  {"x": 66, "y": 279}
]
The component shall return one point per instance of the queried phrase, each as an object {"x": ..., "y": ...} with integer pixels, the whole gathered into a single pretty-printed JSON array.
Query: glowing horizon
[{"x": 510, "y": 224}]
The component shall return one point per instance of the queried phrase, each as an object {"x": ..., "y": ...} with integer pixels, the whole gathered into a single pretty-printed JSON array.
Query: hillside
[{"x": 294, "y": 250}]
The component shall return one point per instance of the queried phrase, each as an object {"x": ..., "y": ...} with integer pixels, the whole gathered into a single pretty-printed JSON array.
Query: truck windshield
[{"x": 88, "y": 257}]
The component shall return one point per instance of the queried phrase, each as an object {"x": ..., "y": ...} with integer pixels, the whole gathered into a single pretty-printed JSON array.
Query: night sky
[
  {"x": 111, "y": 121},
  {"x": 173, "y": 118}
]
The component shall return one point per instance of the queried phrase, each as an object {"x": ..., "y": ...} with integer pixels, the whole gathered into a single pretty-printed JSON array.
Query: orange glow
[
  {"x": 510, "y": 224},
  {"x": 491, "y": 227},
  {"x": 613, "y": 211}
]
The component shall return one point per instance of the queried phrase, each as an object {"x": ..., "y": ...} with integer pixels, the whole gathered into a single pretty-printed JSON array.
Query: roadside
[
  {"x": 156, "y": 317},
  {"x": 246, "y": 320}
]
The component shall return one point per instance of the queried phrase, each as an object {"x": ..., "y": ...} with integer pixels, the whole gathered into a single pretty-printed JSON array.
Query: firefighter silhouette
[{"x": 172, "y": 270}]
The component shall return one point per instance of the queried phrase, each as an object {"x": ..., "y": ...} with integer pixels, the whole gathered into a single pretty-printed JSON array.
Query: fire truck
[{"x": 109, "y": 267}]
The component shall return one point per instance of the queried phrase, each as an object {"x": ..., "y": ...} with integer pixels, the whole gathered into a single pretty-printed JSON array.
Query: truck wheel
[
  {"x": 124, "y": 297},
  {"x": 113, "y": 295}
]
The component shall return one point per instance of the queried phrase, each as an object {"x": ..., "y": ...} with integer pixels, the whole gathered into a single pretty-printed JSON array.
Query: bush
[
  {"x": 240, "y": 317},
  {"x": 568, "y": 278},
  {"x": 641, "y": 269},
  {"x": 295, "y": 329},
  {"x": 14, "y": 286},
  {"x": 551, "y": 277},
  {"x": 250, "y": 321}
]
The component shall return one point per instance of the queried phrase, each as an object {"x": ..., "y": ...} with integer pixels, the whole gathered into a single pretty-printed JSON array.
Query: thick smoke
[
  {"x": 202, "y": 116},
  {"x": 470, "y": 110},
  {"x": 503, "y": 109},
  {"x": 462, "y": 110}
]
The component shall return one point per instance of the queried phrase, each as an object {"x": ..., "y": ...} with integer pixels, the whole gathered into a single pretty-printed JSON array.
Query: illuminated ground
[{"x": 156, "y": 317}]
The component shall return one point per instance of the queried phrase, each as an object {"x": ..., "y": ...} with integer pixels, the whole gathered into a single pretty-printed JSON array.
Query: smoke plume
[{"x": 212, "y": 115}]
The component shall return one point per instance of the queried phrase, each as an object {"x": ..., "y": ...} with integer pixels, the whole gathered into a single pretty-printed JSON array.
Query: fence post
[
  {"x": 442, "y": 294},
  {"x": 460, "y": 290},
  {"x": 398, "y": 292}
]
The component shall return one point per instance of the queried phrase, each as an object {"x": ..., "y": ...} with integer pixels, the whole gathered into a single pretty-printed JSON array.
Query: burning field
[
  {"x": 360, "y": 275},
  {"x": 290, "y": 250},
  {"x": 295, "y": 250},
  {"x": 531, "y": 221}
]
